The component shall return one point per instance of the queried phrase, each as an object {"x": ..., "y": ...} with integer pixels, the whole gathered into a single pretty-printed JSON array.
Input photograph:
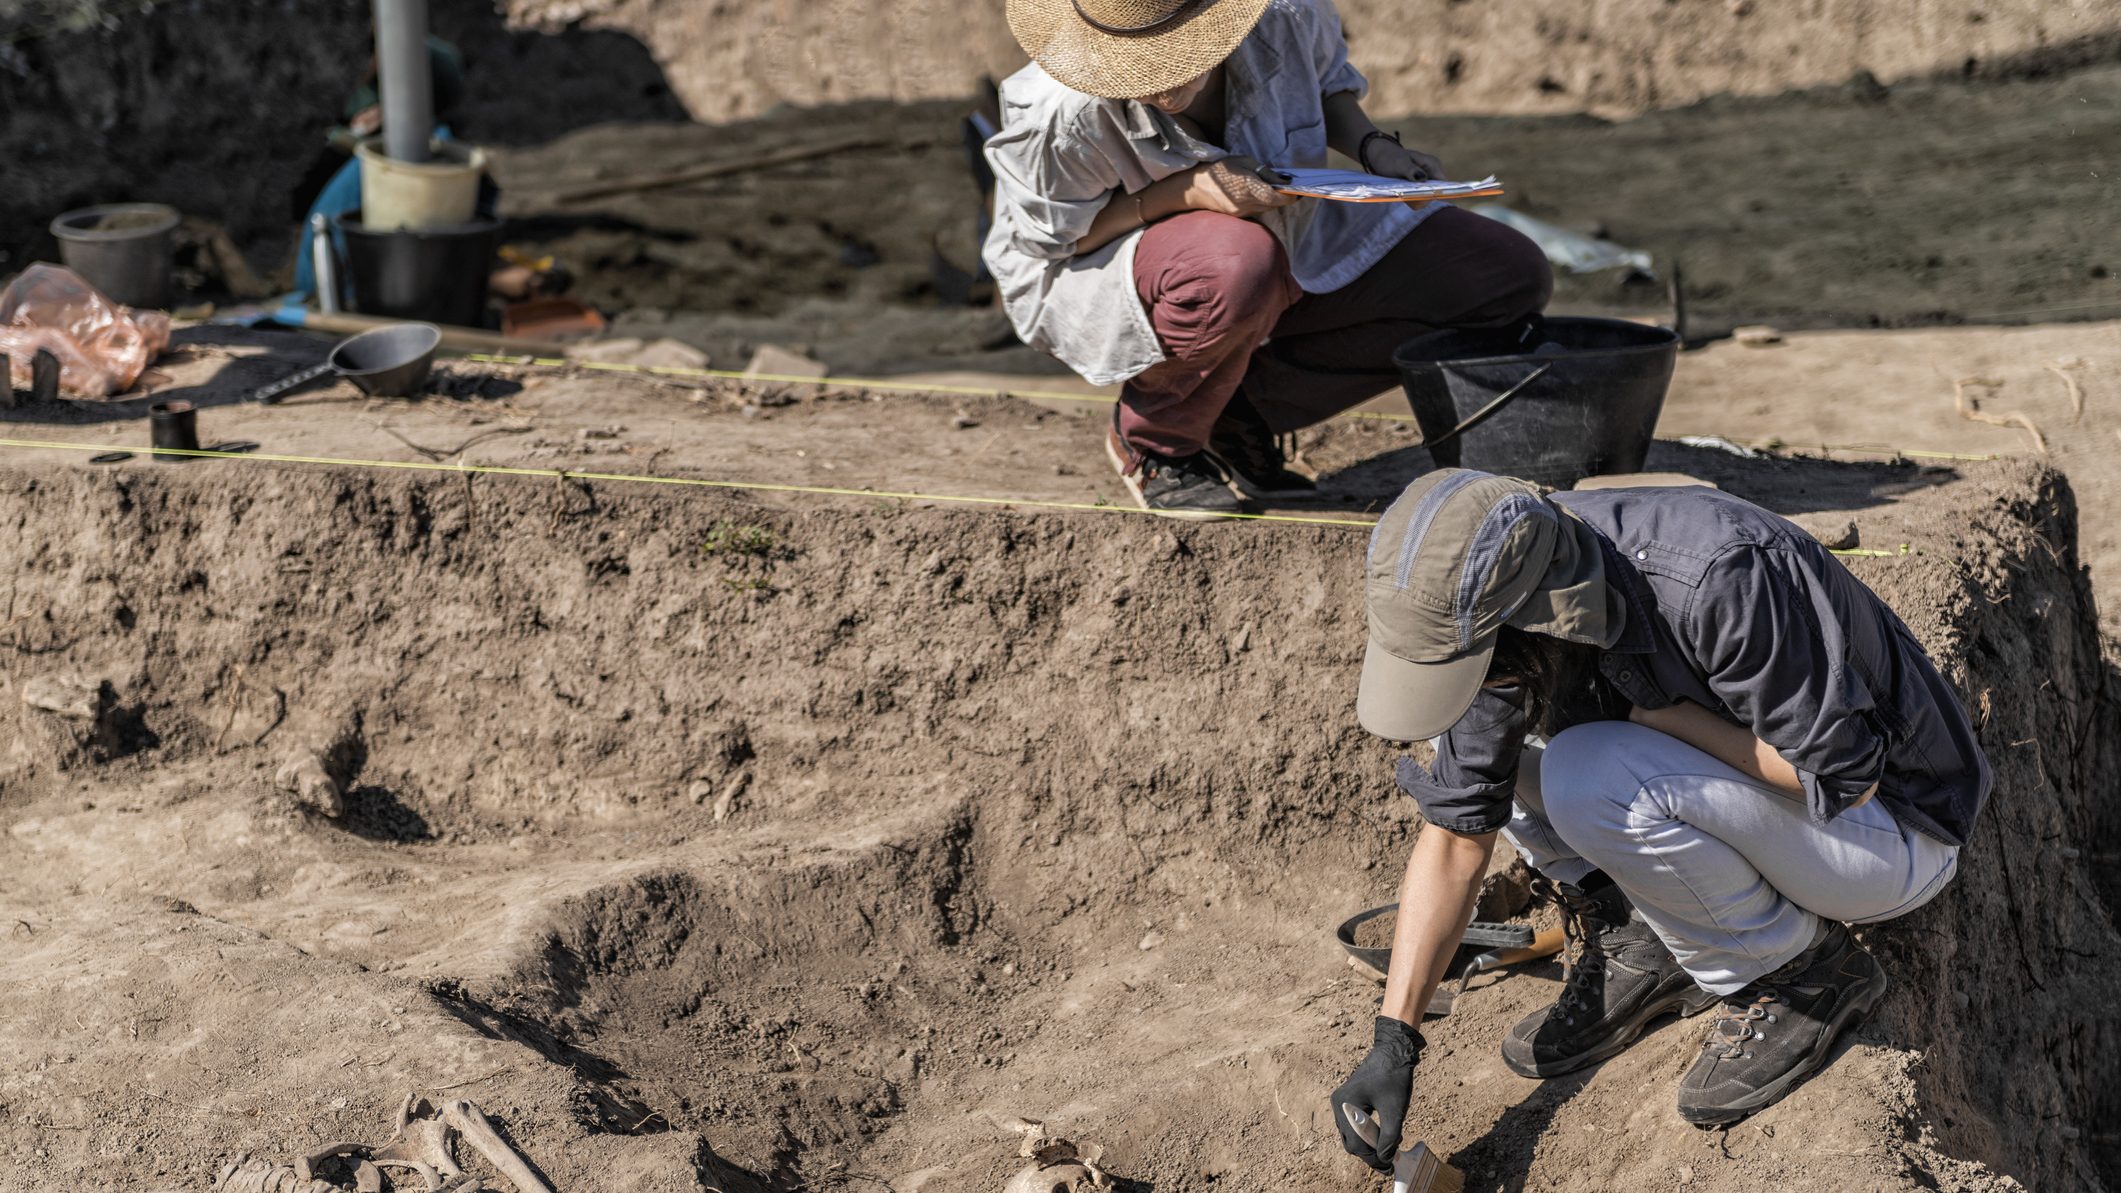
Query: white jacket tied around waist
[{"x": 1061, "y": 155}]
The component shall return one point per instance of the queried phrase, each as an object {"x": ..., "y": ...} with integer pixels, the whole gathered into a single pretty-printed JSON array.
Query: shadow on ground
[{"x": 1788, "y": 485}]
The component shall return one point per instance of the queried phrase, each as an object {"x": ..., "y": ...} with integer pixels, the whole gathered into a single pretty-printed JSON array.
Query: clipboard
[{"x": 1354, "y": 186}]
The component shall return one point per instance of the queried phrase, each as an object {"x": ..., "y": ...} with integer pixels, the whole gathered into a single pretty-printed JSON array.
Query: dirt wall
[{"x": 741, "y": 57}]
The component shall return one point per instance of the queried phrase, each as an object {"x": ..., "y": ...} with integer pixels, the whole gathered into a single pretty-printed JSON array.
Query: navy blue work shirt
[{"x": 1745, "y": 614}]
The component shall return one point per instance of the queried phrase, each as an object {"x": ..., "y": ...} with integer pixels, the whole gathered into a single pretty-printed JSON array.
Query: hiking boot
[
  {"x": 1175, "y": 486},
  {"x": 1774, "y": 1032},
  {"x": 1622, "y": 978},
  {"x": 1250, "y": 450}
]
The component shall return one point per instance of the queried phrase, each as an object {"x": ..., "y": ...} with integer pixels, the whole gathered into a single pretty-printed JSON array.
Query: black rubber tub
[
  {"x": 1565, "y": 399},
  {"x": 433, "y": 275}
]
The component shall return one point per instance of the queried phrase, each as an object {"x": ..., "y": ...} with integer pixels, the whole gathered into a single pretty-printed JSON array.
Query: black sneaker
[
  {"x": 1773, "y": 1033},
  {"x": 1621, "y": 980},
  {"x": 1175, "y": 486},
  {"x": 1243, "y": 443}
]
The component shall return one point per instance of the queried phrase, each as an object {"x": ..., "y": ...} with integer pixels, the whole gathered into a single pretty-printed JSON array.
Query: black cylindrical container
[
  {"x": 174, "y": 425},
  {"x": 433, "y": 275},
  {"x": 1574, "y": 397}
]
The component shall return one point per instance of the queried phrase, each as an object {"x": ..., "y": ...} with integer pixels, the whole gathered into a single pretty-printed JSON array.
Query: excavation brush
[{"x": 1416, "y": 1169}]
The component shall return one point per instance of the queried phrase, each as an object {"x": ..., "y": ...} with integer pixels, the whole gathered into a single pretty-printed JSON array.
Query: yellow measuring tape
[
  {"x": 647, "y": 479},
  {"x": 741, "y": 486},
  {"x": 976, "y": 391},
  {"x": 554, "y": 362}
]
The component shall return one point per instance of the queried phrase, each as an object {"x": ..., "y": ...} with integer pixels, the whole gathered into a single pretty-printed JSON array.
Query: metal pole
[{"x": 406, "y": 79}]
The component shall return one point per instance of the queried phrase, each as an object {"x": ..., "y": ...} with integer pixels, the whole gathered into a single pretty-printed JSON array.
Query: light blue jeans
[{"x": 1731, "y": 872}]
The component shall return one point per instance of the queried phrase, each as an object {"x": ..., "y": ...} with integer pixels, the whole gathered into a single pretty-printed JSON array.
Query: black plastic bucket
[
  {"x": 1566, "y": 399},
  {"x": 433, "y": 275}
]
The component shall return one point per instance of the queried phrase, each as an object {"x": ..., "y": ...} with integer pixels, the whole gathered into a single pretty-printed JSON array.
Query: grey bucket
[{"x": 122, "y": 249}]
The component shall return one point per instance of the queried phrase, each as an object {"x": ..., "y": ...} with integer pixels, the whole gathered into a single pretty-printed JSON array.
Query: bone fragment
[{"x": 477, "y": 1130}]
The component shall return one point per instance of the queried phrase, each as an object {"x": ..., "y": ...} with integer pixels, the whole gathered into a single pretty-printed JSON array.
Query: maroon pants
[{"x": 1229, "y": 315}]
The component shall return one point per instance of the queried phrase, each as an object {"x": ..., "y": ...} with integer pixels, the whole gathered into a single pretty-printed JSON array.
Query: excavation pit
[{"x": 764, "y": 845}]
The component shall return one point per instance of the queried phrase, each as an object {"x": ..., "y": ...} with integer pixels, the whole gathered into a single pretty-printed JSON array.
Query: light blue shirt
[{"x": 1061, "y": 155}]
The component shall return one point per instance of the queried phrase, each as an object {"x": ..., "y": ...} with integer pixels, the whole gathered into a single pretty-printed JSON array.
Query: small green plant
[
  {"x": 748, "y": 553},
  {"x": 740, "y": 540}
]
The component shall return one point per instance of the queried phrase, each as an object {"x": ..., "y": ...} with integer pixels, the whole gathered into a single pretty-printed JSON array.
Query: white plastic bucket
[{"x": 435, "y": 193}]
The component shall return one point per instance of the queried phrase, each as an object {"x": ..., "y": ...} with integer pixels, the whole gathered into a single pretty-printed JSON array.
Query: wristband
[
  {"x": 1362, "y": 148},
  {"x": 1140, "y": 212}
]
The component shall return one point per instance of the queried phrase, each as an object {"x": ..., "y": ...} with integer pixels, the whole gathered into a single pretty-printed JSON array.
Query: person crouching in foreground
[
  {"x": 1137, "y": 239},
  {"x": 1746, "y": 751}
]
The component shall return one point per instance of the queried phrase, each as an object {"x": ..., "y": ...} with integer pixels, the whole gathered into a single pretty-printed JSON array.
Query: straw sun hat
[{"x": 1127, "y": 49}]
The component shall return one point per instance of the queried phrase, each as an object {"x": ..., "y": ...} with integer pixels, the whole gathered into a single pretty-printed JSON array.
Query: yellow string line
[
  {"x": 748, "y": 486},
  {"x": 789, "y": 379},
  {"x": 646, "y": 479},
  {"x": 553, "y": 362}
]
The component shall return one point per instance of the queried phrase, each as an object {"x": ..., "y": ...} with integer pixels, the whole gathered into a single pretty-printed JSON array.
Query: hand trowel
[{"x": 1546, "y": 944}]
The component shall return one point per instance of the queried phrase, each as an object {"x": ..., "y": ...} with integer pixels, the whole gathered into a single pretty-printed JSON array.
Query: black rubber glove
[{"x": 1379, "y": 1087}]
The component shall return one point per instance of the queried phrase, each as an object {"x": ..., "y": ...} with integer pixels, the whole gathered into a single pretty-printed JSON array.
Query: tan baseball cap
[{"x": 1458, "y": 555}]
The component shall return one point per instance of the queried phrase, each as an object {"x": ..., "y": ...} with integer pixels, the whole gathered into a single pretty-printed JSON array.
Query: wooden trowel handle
[{"x": 1546, "y": 944}]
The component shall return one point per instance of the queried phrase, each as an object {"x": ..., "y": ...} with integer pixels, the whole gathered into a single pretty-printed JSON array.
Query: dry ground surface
[
  {"x": 1858, "y": 395},
  {"x": 775, "y": 841},
  {"x": 734, "y": 839},
  {"x": 1926, "y": 204}
]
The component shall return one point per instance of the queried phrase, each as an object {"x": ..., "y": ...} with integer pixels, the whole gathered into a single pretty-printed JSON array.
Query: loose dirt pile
[{"x": 717, "y": 844}]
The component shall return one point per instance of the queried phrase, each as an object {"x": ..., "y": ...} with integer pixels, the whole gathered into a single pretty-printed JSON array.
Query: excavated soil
[
  {"x": 1432, "y": 55},
  {"x": 1976, "y": 196},
  {"x": 721, "y": 843},
  {"x": 1860, "y": 206}
]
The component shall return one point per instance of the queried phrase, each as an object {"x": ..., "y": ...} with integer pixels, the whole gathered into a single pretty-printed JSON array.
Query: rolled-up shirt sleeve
[
  {"x": 1329, "y": 54},
  {"x": 1473, "y": 782},
  {"x": 1776, "y": 655},
  {"x": 1050, "y": 183}
]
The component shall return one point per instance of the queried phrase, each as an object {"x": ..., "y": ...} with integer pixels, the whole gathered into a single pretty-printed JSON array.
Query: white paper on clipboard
[{"x": 1354, "y": 186}]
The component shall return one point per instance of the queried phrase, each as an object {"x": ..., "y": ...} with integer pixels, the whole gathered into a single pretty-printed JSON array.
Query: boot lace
[
  {"x": 1583, "y": 959},
  {"x": 1736, "y": 1027}
]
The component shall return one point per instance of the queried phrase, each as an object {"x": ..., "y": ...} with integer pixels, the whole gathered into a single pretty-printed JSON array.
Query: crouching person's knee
[
  {"x": 1588, "y": 786},
  {"x": 1219, "y": 286}
]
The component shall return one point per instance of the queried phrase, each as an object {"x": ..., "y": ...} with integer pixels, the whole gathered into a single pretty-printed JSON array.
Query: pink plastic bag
[{"x": 102, "y": 347}]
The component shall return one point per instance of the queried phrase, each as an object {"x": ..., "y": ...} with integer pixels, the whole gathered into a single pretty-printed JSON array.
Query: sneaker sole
[
  {"x": 1767, "y": 1095},
  {"x": 1684, "y": 1003},
  {"x": 1134, "y": 490}
]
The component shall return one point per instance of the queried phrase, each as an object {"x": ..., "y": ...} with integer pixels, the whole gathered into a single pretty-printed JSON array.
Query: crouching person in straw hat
[
  {"x": 1745, "y": 752},
  {"x": 1136, "y": 237}
]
